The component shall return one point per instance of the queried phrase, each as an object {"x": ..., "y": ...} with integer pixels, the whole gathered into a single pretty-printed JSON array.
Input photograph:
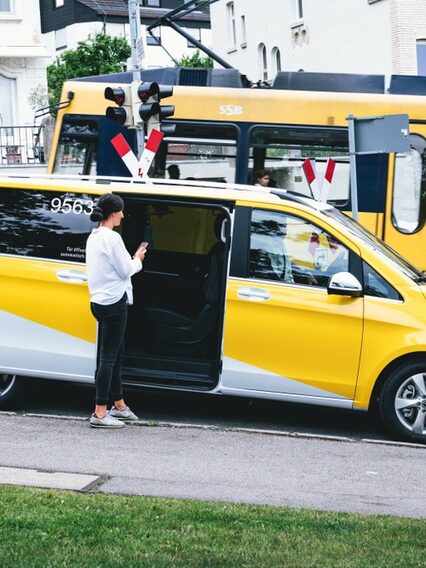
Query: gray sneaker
[
  {"x": 106, "y": 422},
  {"x": 126, "y": 414}
]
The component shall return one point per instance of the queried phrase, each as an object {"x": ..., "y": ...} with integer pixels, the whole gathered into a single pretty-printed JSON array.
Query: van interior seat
[{"x": 175, "y": 332}]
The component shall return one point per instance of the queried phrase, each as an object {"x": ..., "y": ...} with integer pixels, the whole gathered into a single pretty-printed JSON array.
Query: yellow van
[{"x": 245, "y": 291}]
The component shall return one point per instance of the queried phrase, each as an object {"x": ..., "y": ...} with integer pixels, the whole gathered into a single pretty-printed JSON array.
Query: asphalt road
[
  {"x": 220, "y": 465},
  {"x": 66, "y": 399}
]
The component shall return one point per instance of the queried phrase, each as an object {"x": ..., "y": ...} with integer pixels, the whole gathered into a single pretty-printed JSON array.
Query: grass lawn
[{"x": 49, "y": 529}]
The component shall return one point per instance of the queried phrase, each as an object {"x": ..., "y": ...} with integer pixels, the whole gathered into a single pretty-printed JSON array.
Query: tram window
[
  {"x": 76, "y": 153},
  {"x": 409, "y": 187},
  {"x": 201, "y": 151},
  {"x": 282, "y": 151}
]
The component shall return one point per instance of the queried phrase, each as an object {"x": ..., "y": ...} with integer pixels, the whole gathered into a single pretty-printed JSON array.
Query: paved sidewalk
[{"x": 212, "y": 464}]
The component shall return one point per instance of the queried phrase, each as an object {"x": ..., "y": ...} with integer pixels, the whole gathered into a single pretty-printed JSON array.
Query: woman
[
  {"x": 109, "y": 269},
  {"x": 262, "y": 178}
]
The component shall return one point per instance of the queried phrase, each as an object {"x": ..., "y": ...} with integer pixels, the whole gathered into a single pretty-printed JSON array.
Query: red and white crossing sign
[
  {"x": 319, "y": 192},
  {"x": 138, "y": 168}
]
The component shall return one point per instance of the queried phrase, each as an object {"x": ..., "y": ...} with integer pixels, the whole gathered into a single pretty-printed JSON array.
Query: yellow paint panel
[{"x": 30, "y": 288}]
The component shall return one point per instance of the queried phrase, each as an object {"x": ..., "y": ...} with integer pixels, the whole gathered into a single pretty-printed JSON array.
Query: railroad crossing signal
[
  {"x": 147, "y": 108},
  {"x": 122, "y": 113}
]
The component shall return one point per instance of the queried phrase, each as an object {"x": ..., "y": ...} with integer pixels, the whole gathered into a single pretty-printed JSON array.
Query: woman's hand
[{"x": 140, "y": 253}]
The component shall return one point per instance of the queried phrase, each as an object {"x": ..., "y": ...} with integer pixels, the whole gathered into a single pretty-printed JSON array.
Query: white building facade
[
  {"x": 342, "y": 36},
  {"x": 67, "y": 22},
  {"x": 23, "y": 59}
]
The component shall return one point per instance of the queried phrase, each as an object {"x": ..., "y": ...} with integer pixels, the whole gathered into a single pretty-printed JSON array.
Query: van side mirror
[{"x": 344, "y": 284}]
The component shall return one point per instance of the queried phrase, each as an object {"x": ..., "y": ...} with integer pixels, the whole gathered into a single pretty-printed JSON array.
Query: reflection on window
[
  {"x": 76, "y": 148},
  {"x": 282, "y": 151},
  {"x": 376, "y": 285},
  {"x": 45, "y": 224},
  {"x": 206, "y": 152},
  {"x": 409, "y": 186},
  {"x": 292, "y": 250}
]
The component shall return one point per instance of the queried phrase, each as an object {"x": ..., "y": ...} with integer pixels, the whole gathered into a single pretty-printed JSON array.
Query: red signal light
[
  {"x": 115, "y": 94},
  {"x": 147, "y": 90}
]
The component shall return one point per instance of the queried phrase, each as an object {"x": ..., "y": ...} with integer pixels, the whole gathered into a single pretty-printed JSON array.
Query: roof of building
[{"x": 120, "y": 8}]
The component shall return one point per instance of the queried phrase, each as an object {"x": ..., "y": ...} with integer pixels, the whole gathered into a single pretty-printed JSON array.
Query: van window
[
  {"x": 45, "y": 224},
  {"x": 290, "y": 249},
  {"x": 376, "y": 285}
]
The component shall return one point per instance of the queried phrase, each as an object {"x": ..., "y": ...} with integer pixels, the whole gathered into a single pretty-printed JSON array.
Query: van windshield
[{"x": 381, "y": 248}]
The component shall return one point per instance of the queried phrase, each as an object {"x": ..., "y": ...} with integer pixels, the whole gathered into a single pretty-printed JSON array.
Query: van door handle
[
  {"x": 253, "y": 294},
  {"x": 71, "y": 275}
]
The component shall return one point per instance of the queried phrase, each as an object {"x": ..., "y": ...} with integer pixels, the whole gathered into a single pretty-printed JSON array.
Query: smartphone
[{"x": 143, "y": 245}]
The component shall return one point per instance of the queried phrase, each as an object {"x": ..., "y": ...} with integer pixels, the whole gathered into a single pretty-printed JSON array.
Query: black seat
[{"x": 176, "y": 333}]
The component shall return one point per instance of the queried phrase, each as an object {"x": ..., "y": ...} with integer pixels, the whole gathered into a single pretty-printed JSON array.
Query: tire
[
  {"x": 402, "y": 401},
  {"x": 11, "y": 388}
]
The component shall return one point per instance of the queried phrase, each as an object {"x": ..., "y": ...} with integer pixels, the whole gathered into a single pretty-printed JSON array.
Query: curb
[{"x": 237, "y": 429}]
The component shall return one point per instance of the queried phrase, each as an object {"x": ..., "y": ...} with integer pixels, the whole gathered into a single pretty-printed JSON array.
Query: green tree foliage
[
  {"x": 195, "y": 60},
  {"x": 99, "y": 55}
]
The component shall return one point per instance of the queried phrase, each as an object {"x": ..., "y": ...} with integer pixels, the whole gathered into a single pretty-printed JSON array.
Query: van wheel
[
  {"x": 402, "y": 401},
  {"x": 10, "y": 389}
]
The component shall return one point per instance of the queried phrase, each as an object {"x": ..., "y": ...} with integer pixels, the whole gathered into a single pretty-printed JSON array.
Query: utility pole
[{"x": 136, "y": 42}]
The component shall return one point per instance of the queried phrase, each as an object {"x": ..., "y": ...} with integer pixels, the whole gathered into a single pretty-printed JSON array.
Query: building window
[
  {"x": 152, "y": 3},
  {"x": 243, "y": 31},
  {"x": 61, "y": 39},
  {"x": 232, "y": 33},
  {"x": 298, "y": 4},
  {"x": 7, "y": 114},
  {"x": 421, "y": 57},
  {"x": 154, "y": 37},
  {"x": 262, "y": 62},
  {"x": 276, "y": 60},
  {"x": 196, "y": 34},
  {"x": 6, "y": 6},
  {"x": 59, "y": 3}
]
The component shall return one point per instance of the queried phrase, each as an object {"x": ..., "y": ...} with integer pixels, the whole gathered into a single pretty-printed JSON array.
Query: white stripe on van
[{"x": 32, "y": 349}]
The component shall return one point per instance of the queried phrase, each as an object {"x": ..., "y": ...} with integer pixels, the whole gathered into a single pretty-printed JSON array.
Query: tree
[
  {"x": 195, "y": 60},
  {"x": 100, "y": 54}
]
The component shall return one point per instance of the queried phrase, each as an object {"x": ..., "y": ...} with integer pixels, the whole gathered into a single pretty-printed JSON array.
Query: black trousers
[{"x": 112, "y": 326}]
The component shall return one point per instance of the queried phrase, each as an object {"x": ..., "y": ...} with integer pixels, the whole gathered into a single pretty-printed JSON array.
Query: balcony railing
[{"x": 21, "y": 145}]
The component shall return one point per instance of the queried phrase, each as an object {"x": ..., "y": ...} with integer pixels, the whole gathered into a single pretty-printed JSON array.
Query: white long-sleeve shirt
[{"x": 109, "y": 267}]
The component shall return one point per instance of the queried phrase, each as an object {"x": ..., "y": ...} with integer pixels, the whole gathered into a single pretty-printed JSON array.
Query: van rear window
[{"x": 45, "y": 224}]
